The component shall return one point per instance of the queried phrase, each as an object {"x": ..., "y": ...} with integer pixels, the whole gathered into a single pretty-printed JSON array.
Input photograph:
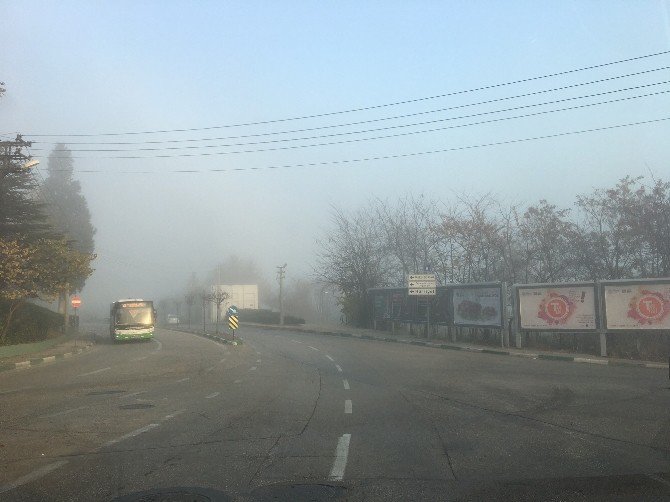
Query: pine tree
[{"x": 66, "y": 207}]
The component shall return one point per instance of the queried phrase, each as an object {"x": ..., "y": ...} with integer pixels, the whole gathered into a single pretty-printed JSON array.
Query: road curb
[
  {"x": 481, "y": 350},
  {"x": 214, "y": 338},
  {"x": 36, "y": 361}
]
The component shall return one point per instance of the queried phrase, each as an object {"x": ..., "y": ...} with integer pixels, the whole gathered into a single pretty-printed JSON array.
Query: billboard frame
[
  {"x": 451, "y": 287},
  {"x": 546, "y": 285},
  {"x": 627, "y": 282}
]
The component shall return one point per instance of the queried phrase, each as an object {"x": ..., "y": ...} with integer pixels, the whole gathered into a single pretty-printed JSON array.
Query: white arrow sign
[{"x": 421, "y": 291}]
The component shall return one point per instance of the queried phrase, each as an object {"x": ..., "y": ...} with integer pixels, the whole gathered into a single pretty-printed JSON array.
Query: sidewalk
[
  {"x": 26, "y": 355},
  {"x": 383, "y": 336}
]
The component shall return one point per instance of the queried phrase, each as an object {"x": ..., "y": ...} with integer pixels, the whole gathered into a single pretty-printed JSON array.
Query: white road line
[
  {"x": 258, "y": 360},
  {"x": 222, "y": 360},
  {"x": 347, "y": 406},
  {"x": 96, "y": 371},
  {"x": 36, "y": 474},
  {"x": 237, "y": 381},
  {"x": 132, "y": 434},
  {"x": 183, "y": 380},
  {"x": 252, "y": 368},
  {"x": 133, "y": 394},
  {"x": 313, "y": 348},
  {"x": 341, "y": 455},
  {"x": 330, "y": 358},
  {"x": 213, "y": 394},
  {"x": 210, "y": 368},
  {"x": 346, "y": 384},
  {"x": 172, "y": 415},
  {"x": 160, "y": 346},
  {"x": 66, "y": 412},
  {"x": 140, "y": 358},
  {"x": 338, "y": 368},
  {"x": 296, "y": 341}
]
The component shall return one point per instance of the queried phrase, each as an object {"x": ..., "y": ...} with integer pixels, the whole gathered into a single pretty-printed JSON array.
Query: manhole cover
[
  {"x": 299, "y": 492},
  {"x": 136, "y": 406},
  {"x": 105, "y": 392},
  {"x": 176, "y": 495}
]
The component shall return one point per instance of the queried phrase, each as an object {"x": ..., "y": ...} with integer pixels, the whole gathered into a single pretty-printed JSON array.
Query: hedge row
[
  {"x": 264, "y": 316},
  {"x": 30, "y": 323}
]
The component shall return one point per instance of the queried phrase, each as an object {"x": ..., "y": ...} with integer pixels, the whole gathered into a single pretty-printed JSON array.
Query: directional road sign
[
  {"x": 421, "y": 284},
  {"x": 421, "y": 291}
]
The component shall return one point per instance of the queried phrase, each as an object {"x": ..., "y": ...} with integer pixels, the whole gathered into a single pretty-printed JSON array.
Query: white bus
[{"x": 132, "y": 319}]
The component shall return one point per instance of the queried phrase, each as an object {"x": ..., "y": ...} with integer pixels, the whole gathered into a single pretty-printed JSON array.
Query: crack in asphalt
[
  {"x": 541, "y": 421},
  {"x": 436, "y": 430}
]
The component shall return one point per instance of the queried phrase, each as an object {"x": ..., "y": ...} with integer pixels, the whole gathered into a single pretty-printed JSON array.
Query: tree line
[
  {"x": 46, "y": 235},
  {"x": 615, "y": 233}
]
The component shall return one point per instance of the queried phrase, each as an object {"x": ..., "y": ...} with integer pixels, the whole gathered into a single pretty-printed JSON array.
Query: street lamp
[{"x": 31, "y": 163}]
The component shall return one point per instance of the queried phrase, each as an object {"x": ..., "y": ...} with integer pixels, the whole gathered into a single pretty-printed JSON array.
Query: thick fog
[{"x": 222, "y": 161}]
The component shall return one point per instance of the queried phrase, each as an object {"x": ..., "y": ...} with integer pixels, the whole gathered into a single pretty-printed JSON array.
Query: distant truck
[{"x": 132, "y": 319}]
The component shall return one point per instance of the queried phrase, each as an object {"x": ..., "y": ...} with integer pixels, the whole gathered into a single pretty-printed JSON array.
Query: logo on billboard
[
  {"x": 556, "y": 308},
  {"x": 649, "y": 307}
]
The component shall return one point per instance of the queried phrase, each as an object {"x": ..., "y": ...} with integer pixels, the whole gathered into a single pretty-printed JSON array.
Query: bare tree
[
  {"x": 353, "y": 257},
  {"x": 406, "y": 228}
]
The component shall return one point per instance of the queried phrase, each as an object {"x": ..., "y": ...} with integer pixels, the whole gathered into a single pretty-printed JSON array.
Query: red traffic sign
[{"x": 76, "y": 302}]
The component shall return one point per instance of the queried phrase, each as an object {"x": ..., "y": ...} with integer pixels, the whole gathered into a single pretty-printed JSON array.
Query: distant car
[{"x": 172, "y": 319}]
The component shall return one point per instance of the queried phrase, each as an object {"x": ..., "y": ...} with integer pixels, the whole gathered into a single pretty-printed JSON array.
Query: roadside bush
[
  {"x": 264, "y": 316},
  {"x": 31, "y": 323}
]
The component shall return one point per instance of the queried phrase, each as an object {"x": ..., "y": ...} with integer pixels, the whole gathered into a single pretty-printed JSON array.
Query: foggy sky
[{"x": 92, "y": 68}]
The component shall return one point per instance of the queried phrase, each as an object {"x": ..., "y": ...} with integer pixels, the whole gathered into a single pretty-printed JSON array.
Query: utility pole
[
  {"x": 205, "y": 297},
  {"x": 281, "y": 273},
  {"x": 11, "y": 157}
]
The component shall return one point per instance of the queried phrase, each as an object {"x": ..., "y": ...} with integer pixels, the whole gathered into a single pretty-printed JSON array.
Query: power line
[
  {"x": 365, "y": 108},
  {"x": 358, "y": 140},
  {"x": 389, "y": 157},
  {"x": 360, "y": 122}
]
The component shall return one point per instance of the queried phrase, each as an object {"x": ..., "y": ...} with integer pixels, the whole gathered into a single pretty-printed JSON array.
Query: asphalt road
[{"x": 290, "y": 416}]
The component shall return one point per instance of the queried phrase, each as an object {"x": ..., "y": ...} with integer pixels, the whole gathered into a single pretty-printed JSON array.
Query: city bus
[{"x": 132, "y": 319}]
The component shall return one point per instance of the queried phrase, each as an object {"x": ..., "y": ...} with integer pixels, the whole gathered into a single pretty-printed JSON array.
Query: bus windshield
[{"x": 134, "y": 316}]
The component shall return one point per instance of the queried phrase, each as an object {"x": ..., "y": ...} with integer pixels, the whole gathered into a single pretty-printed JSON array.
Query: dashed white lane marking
[
  {"x": 140, "y": 358},
  {"x": 210, "y": 368},
  {"x": 313, "y": 348},
  {"x": 338, "y": 368},
  {"x": 126, "y": 396},
  {"x": 346, "y": 384},
  {"x": 32, "y": 476},
  {"x": 258, "y": 360},
  {"x": 347, "y": 406},
  {"x": 296, "y": 341},
  {"x": 66, "y": 412},
  {"x": 237, "y": 381},
  {"x": 96, "y": 371},
  {"x": 183, "y": 380},
  {"x": 252, "y": 368},
  {"x": 213, "y": 394},
  {"x": 160, "y": 346},
  {"x": 330, "y": 358},
  {"x": 222, "y": 360},
  {"x": 172, "y": 415},
  {"x": 132, "y": 434},
  {"x": 341, "y": 455}
]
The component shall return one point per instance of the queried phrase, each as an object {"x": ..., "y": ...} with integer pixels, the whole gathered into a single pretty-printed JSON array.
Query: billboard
[
  {"x": 474, "y": 305},
  {"x": 642, "y": 305},
  {"x": 559, "y": 307}
]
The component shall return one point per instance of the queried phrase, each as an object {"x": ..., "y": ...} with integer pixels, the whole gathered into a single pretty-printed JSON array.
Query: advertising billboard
[
  {"x": 557, "y": 307},
  {"x": 477, "y": 305},
  {"x": 637, "y": 305}
]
